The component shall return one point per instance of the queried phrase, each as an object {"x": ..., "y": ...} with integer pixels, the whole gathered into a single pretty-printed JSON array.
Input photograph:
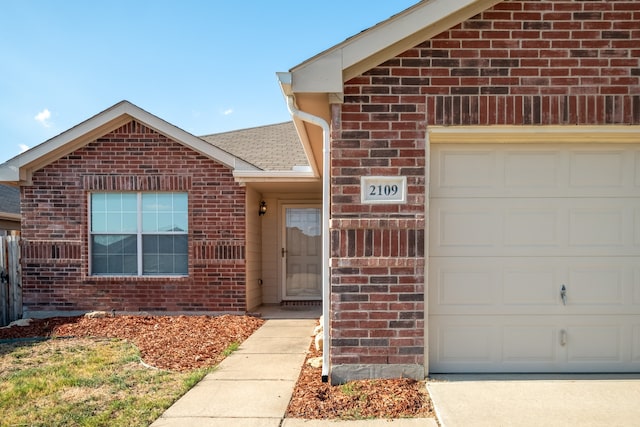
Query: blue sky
[{"x": 205, "y": 66}]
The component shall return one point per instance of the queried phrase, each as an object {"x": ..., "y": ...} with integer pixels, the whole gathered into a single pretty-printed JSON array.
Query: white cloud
[
  {"x": 228, "y": 111},
  {"x": 23, "y": 147},
  {"x": 43, "y": 118}
]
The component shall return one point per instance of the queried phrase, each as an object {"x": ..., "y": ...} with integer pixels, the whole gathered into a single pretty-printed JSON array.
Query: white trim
[
  {"x": 251, "y": 176},
  {"x": 326, "y": 72},
  {"x": 20, "y": 167},
  {"x": 629, "y": 134},
  {"x": 10, "y": 216},
  {"x": 427, "y": 231}
]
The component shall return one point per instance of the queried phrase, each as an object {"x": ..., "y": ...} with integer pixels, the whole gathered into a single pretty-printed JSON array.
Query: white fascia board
[
  {"x": 427, "y": 19},
  {"x": 325, "y": 73},
  {"x": 278, "y": 176},
  {"x": 20, "y": 167},
  {"x": 188, "y": 139},
  {"x": 67, "y": 141},
  {"x": 10, "y": 216}
]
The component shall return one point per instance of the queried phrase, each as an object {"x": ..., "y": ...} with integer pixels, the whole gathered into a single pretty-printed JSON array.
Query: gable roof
[
  {"x": 20, "y": 168},
  {"x": 273, "y": 147},
  {"x": 317, "y": 82},
  {"x": 327, "y": 71}
]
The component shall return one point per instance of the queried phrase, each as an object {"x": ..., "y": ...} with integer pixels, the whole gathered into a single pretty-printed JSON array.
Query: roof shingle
[
  {"x": 271, "y": 148},
  {"x": 9, "y": 199}
]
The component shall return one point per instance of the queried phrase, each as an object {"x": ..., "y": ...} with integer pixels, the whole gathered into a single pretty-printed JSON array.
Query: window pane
[
  {"x": 149, "y": 221},
  {"x": 98, "y": 212},
  {"x": 180, "y": 221},
  {"x": 129, "y": 222},
  {"x": 164, "y": 254},
  {"x": 98, "y": 202},
  {"x": 114, "y": 222},
  {"x": 164, "y": 212},
  {"x": 130, "y": 202},
  {"x": 114, "y": 212},
  {"x": 99, "y": 264},
  {"x": 98, "y": 222},
  {"x": 181, "y": 263},
  {"x": 165, "y": 222},
  {"x": 180, "y": 245},
  {"x": 164, "y": 202},
  {"x": 180, "y": 211},
  {"x": 114, "y": 254}
]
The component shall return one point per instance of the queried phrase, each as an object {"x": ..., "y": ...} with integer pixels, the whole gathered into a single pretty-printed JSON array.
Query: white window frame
[{"x": 139, "y": 235}]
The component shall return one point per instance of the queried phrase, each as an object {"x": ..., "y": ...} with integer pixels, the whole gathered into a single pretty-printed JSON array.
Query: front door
[{"x": 302, "y": 252}]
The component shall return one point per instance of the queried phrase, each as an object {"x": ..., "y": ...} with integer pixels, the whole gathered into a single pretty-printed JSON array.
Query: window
[{"x": 139, "y": 234}]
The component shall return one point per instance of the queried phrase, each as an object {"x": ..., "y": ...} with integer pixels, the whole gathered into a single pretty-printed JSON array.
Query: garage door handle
[
  {"x": 563, "y": 337},
  {"x": 563, "y": 295}
]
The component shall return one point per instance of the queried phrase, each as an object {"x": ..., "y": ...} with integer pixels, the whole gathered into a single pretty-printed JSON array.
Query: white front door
[
  {"x": 534, "y": 258},
  {"x": 302, "y": 252}
]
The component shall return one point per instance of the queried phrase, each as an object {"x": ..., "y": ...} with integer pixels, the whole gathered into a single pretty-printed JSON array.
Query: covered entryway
[{"x": 534, "y": 258}]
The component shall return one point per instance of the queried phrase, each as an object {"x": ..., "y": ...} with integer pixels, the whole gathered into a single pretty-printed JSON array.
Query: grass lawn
[{"x": 84, "y": 382}]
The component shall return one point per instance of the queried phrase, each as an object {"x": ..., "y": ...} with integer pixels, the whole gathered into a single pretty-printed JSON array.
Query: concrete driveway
[{"x": 536, "y": 400}]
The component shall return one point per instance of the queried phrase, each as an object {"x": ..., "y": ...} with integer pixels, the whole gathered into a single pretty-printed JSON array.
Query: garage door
[{"x": 534, "y": 258}]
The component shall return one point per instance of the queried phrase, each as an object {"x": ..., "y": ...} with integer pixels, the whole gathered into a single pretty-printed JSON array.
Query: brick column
[{"x": 377, "y": 251}]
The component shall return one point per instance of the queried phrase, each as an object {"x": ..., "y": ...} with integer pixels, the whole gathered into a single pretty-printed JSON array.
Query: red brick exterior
[
  {"x": 519, "y": 63},
  {"x": 132, "y": 158}
]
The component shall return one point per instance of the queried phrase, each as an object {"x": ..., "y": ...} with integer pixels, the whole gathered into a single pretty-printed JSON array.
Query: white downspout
[{"x": 326, "y": 286}]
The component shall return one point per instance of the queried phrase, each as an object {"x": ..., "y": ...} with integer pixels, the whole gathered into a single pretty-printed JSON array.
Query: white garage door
[{"x": 513, "y": 228}]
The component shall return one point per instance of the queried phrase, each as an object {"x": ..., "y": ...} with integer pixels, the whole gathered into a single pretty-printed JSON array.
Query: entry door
[{"x": 302, "y": 252}]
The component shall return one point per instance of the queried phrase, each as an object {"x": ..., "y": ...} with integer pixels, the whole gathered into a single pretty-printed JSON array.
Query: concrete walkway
[{"x": 253, "y": 386}]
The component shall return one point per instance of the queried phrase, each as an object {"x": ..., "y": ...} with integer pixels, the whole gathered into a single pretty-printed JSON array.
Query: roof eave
[
  {"x": 284, "y": 79},
  {"x": 275, "y": 176},
  {"x": 10, "y": 216},
  {"x": 327, "y": 71},
  {"x": 319, "y": 81},
  {"x": 20, "y": 168}
]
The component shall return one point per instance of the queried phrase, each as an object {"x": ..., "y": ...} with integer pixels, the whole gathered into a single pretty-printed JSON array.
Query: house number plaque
[{"x": 383, "y": 189}]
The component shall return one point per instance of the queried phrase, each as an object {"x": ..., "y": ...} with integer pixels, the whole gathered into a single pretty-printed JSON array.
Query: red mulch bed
[
  {"x": 176, "y": 343},
  {"x": 382, "y": 398},
  {"x": 183, "y": 343}
]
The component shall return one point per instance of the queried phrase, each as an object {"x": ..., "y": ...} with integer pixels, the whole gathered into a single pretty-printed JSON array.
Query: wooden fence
[{"x": 10, "y": 280}]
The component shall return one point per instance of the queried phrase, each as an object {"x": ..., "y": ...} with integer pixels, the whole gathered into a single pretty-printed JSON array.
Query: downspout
[{"x": 326, "y": 291}]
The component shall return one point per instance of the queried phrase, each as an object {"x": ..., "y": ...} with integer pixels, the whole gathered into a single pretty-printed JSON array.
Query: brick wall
[
  {"x": 519, "y": 63},
  {"x": 531, "y": 62},
  {"x": 132, "y": 158}
]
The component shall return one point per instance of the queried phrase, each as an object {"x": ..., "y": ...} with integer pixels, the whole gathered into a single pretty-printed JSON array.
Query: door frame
[{"x": 282, "y": 269}]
